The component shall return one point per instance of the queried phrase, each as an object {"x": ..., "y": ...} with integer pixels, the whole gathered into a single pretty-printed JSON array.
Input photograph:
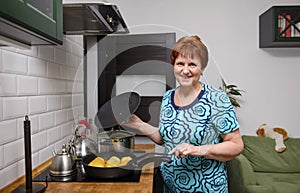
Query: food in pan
[
  {"x": 98, "y": 162},
  {"x": 113, "y": 161},
  {"x": 125, "y": 160}
]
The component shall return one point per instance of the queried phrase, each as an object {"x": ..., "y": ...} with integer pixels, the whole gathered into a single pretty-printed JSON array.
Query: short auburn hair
[{"x": 190, "y": 47}]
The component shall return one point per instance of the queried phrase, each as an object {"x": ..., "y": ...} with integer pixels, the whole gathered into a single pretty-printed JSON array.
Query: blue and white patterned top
[{"x": 199, "y": 123}]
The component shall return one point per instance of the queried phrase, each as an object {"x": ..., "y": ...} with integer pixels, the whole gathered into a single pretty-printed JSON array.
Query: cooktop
[{"x": 80, "y": 176}]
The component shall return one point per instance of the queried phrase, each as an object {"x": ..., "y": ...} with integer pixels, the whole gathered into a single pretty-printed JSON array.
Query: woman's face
[{"x": 187, "y": 71}]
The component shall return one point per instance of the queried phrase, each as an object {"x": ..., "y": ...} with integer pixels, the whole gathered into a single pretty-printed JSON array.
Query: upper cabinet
[
  {"x": 31, "y": 22},
  {"x": 279, "y": 26}
]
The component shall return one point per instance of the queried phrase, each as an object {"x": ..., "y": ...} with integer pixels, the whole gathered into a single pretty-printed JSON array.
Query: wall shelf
[{"x": 279, "y": 26}]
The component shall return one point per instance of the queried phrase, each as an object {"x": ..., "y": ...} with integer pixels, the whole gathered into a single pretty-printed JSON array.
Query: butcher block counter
[{"x": 145, "y": 185}]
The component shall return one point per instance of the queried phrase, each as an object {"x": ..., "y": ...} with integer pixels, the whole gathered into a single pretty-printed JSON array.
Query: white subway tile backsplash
[
  {"x": 45, "y": 86},
  {"x": 39, "y": 141},
  {"x": 37, "y": 67},
  {"x": 77, "y": 87},
  {"x": 10, "y": 130},
  {"x": 59, "y": 56},
  {"x": 29, "y": 52},
  {"x": 46, "y": 121},
  {"x": 13, "y": 152},
  {"x": 61, "y": 117},
  {"x": 60, "y": 86},
  {"x": 53, "y": 103},
  {"x": 46, "y": 153},
  {"x": 37, "y": 104},
  {"x": 1, "y": 157},
  {"x": 53, "y": 70},
  {"x": 66, "y": 101},
  {"x": 77, "y": 99},
  {"x": 1, "y": 108},
  {"x": 14, "y": 107},
  {"x": 27, "y": 85},
  {"x": 53, "y": 135},
  {"x": 34, "y": 121},
  {"x": 38, "y": 82},
  {"x": 21, "y": 164},
  {"x": 46, "y": 53},
  {"x": 8, "y": 84},
  {"x": 0, "y": 60},
  {"x": 67, "y": 129},
  {"x": 14, "y": 63},
  {"x": 8, "y": 174},
  {"x": 70, "y": 115},
  {"x": 72, "y": 60},
  {"x": 35, "y": 160},
  {"x": 67, "y": 72}
]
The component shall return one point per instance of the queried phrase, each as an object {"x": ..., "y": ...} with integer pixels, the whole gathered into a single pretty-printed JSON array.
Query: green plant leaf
[
  {"x": 231, "y": 90},
  {"x": 235, "y": 92}
]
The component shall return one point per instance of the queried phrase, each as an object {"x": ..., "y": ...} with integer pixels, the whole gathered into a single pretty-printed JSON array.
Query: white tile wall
[
  {"x": 37, "y": 104},
  {"x": 61, "y": 117},
  {"x": 14, "y": 107},
  {"x": 45, "y": 86},
  {"x": 46, "y": 121},
  {"x": 37, "y": 67},
  {"x": 53, "y": 102},
  {"x": 13, "y": 152},
  {"x": 27, "y": 85},
  {"x": 53, "y": 135},
  {"x": 8, "y": 84},
  {"x": 38, "y": 82},
  {"x": 1, "y": 157},
  {"x": 1, "y": 108},
  {"x": 13, "y": 62}
]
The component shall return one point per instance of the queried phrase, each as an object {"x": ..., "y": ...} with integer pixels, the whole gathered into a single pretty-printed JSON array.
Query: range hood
[{"x": 90, "y": 17}]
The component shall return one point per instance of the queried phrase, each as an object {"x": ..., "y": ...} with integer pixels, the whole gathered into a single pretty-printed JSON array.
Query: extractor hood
[{"x": 91, "y": 17}]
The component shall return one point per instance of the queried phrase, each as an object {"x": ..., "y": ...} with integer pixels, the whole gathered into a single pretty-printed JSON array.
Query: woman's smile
[{"x": 187, "y": 71}]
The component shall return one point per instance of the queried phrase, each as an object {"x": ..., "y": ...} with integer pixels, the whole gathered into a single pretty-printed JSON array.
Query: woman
[{"x": 197, "y": 124}]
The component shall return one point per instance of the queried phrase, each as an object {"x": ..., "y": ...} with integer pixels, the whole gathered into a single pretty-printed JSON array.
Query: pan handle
[{"x": 157, "y": 158}]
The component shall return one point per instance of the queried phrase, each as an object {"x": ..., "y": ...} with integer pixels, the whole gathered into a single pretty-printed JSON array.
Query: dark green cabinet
[
  {"x": 279, "y": 26},
  {"x": 32, "y": 22}
]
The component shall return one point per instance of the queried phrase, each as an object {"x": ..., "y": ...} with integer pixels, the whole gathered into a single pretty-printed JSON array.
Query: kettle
[
  {"x": 82, "y": 144},
  {"x": 63, "y": 163}
]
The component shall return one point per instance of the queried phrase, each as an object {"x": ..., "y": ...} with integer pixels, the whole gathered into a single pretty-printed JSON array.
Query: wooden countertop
[{"x": 145, "y": 184}]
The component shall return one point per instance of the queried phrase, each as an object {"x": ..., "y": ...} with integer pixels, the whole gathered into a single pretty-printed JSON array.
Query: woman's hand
[
  {"x": 133, "y": 122},
  {"x": 186, "y": 149}
]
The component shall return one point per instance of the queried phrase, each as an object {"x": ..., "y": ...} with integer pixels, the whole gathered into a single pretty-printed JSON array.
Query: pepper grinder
[{"x": 29, "y": 187}]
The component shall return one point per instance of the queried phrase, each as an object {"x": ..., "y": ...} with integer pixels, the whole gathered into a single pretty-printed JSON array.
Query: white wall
[
  {"x": 230, "y": 31},
  {"x": 46, "y": 83}
]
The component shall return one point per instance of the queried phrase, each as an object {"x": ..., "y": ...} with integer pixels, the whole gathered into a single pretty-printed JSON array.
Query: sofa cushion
[
  {"x": 279, "y": 182},
  {"x": 262, "y": 156}
]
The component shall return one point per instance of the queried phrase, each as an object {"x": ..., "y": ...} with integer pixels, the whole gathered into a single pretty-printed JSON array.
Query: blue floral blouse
[{"x": 199, "y": 123}]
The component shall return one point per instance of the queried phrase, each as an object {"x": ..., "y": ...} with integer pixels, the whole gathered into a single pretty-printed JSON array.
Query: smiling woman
[{"x": 197, "y": 124}]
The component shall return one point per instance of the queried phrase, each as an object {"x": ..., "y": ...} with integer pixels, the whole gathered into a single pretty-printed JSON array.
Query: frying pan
[
  {"x": 117, "y": 110},
  {"x": 116, "y": 172}
]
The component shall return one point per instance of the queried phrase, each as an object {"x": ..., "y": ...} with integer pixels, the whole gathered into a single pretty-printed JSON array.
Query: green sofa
[{"x": 260, "y": 169}]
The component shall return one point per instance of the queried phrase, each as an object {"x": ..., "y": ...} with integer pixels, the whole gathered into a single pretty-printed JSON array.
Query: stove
[{"x": 80, "y": 176}]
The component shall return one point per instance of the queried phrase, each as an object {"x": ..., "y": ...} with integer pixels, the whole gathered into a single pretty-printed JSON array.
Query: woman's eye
[
  {"x": 192, "y": 65},
  {"x": 179, "y": 64}
]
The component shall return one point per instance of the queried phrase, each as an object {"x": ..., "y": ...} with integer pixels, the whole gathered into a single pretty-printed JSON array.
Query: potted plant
[{"x": 232, "y": 91}]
